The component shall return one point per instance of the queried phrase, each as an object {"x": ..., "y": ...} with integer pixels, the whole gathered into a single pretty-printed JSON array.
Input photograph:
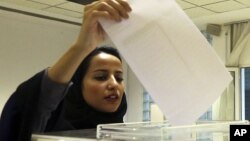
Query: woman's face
[{"x": 103, "y": 85}]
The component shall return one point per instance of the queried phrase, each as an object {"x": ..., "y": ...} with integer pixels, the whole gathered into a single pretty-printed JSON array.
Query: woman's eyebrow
[
  {"x": 100, "y": 70},
  {"x": 119, "y": 71},
  {"x": 105, "y": 70}
]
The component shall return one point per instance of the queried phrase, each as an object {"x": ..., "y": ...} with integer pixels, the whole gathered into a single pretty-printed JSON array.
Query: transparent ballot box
[
  {"x": 58, "y": 138},
  {"x": 162, "y": 131},
  {"x": 71, "y": 135}
]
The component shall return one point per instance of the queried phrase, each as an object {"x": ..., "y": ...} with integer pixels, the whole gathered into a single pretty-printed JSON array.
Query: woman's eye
[
  {"x": 101, "y": 78},
  {"x": 119, "y": 79}
]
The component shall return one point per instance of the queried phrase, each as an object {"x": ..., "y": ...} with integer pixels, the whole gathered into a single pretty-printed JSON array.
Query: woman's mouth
[{"x": 112, "y": 97}]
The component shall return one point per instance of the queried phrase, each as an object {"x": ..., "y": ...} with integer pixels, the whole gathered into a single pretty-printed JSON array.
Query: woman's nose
[{"x": 112, "y": 82}]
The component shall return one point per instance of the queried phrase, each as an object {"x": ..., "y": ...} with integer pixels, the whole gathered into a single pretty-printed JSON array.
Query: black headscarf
[{"x": 77, "y": 111}]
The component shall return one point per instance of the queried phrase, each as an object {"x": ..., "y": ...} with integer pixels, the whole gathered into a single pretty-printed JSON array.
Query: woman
[{"x": 84, "y": 87}]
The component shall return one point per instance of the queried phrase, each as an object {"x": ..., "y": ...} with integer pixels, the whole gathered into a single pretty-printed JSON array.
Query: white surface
[
  {"x": 171, "y": 58},
  {"x": 27, "y": 45}
]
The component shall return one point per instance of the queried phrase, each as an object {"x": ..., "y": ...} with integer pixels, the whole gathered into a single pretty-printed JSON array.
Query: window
[
  {"x": 245, "y": 93},
  {"x": 147, "y": 101}
]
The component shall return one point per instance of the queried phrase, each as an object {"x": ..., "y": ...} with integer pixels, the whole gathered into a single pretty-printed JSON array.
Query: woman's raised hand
[
  {"x": 91, "y": 33},
  {"x": 90, "y": 36}
]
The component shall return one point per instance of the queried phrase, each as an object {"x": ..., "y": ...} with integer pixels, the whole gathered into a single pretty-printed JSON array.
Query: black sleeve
[
  {"x": 17, "y": 118},
  {"x": 18, "y": 115},
  {"x": 52, "y": 94},
  {"x": 28, "y": 110}
]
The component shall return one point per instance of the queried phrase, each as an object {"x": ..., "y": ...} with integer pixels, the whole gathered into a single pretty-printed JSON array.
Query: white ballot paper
[{"x": 171, "y": 58}]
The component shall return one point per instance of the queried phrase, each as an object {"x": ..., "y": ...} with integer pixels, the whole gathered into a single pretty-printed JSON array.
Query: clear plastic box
[{"x": 163, "y": 131}]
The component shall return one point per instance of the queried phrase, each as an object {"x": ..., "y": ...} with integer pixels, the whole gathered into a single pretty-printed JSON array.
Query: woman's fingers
[
  {"x": 112, "y": 9},
  {"x": 91, "y": 30},
  {"x": 121, "y": 7},
  {"x": 125, "y": 5}
]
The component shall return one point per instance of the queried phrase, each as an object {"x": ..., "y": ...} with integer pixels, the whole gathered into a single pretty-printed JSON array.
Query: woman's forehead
[
  {"x": 104, "y": 55},
  {"x": 104, "y": 59}
]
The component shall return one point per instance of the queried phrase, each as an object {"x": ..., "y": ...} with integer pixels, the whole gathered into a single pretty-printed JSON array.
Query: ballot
[{"x": 171, "y": 58}]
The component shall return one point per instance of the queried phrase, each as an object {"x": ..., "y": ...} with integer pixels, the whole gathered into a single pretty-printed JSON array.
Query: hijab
[{"x": 76, "y": 110}]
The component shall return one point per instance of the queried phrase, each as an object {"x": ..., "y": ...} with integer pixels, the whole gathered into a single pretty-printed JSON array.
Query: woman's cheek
[{"x": 96, "y": 88}]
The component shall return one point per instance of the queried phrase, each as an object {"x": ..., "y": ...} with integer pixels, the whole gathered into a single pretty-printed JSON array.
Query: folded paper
[{"x": 171, "y": 58}]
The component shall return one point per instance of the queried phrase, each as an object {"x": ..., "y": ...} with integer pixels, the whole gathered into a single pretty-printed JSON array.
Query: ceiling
[
  {"x": 195, "y": 9},
  {"x": 198, "y": 8}
]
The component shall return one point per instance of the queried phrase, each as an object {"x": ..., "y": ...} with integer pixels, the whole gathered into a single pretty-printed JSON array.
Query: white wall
[
  {"x": 220, "y": 43},
  {"x": 27, "y": 45},
  {"x": 134, "y": 97}
]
